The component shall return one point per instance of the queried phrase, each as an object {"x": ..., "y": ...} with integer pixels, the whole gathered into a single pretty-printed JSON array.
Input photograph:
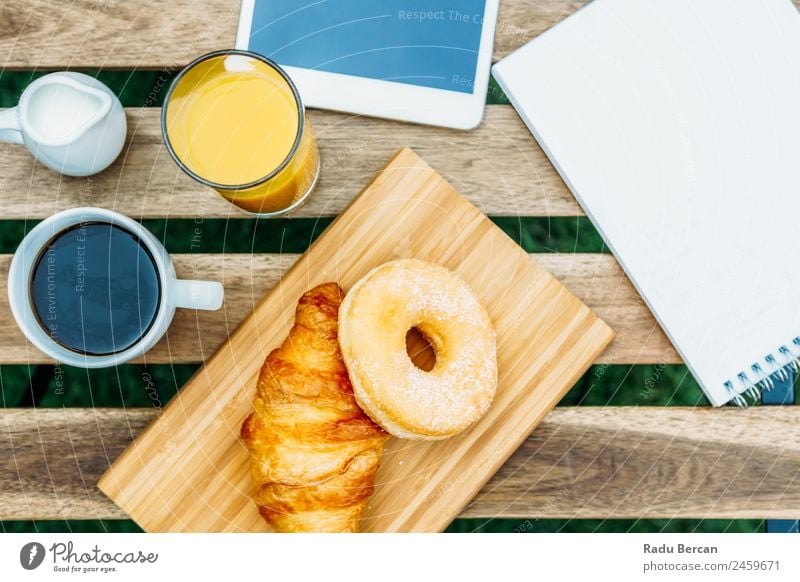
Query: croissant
[{"x": 314, "y": 452}]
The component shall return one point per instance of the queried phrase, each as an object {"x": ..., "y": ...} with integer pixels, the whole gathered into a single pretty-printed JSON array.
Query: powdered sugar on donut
[{"x": 407, "y": 401}]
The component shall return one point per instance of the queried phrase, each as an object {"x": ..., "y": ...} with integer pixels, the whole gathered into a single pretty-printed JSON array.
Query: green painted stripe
[
  {"x": 141, "y": 88},
  {"x": 249, "y": 235},
  {"x": 458, "y": 526},
  {"x": 155, "y": 385}
]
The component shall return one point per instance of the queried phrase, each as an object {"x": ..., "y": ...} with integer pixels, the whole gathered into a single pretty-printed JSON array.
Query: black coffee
[{"x": 95, "y": 289}]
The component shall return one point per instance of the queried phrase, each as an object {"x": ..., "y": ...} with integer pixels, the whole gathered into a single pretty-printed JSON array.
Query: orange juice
[{"x": 234, "y": 121}]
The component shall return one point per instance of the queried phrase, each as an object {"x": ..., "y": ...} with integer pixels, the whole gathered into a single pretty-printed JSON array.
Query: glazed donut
[{"x": 406, "y": 401}]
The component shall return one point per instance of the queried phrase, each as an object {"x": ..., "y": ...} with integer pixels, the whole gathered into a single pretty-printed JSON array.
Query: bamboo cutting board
[{"x": 190, "y": 472}]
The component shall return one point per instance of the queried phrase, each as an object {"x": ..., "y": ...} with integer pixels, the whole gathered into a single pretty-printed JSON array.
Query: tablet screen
[{"x": 416, "y": 42}]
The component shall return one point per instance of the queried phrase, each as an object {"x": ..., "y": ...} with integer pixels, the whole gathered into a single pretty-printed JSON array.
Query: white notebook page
[{"x": 676, "y": 124}]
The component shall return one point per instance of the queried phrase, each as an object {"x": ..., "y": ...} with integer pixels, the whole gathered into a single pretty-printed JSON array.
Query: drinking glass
[{"x": 234, "y": 121}]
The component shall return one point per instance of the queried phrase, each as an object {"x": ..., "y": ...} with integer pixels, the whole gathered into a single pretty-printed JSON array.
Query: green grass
[
  {"x": 140, "y": 88},
  {"x": 606, "y": 525},
  {"x": 134, "y": 89},
  {"x": 458, "y": 526},
  {"x": 294, "y": 235},
  {"x": 137, "y": 385},
  {"x": 71, "y": 526},
  {"x": 126, "y": 386}
]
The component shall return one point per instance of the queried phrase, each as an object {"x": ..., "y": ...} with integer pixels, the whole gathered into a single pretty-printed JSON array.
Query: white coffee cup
[{"x": 203, "y": 295}]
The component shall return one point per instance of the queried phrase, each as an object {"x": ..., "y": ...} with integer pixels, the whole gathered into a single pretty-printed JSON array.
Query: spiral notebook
[{"x": 676, "y": 125}]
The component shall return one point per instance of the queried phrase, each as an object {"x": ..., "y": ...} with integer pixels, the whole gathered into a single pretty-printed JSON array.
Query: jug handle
[{"x": 10, "y": 131}]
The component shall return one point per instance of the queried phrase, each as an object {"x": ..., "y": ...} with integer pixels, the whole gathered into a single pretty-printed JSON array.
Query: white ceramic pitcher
[{"x": 71, "y": 122}]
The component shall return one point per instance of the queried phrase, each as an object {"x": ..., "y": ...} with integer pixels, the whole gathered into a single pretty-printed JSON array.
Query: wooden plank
[
  {"x": 596, "y": 279},
  {"x": 162, "y": 34},
  {"x": 781, "y": 394},
  {"x": 168, "y": 34},
  {"x": 407, "y": 211},
  {"x": 498, "y": 167},
  {"x": 585, "y": 462}
]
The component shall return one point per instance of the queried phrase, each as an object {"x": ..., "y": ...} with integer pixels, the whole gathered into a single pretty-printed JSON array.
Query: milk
[{"x": 57, "y": 112}]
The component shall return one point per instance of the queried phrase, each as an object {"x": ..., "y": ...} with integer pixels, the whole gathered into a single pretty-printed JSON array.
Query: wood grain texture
[
  {"x": 157, "y": 34},
  {"x": 164, "y": 34},
  {"x": 597, "y": 280},
  {"x": 190, "y": 471},
  {"x": 586, "y": 462},
  {"x": 498, "y": 167}
]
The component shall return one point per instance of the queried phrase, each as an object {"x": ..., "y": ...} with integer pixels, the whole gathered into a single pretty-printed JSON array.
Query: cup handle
[
  {"x": 203, "y": 295},
  {"x": 10, "y": 131}
]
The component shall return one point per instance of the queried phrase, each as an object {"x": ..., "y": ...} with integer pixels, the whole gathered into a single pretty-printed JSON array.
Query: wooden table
[{"x": 583, "y": 462}]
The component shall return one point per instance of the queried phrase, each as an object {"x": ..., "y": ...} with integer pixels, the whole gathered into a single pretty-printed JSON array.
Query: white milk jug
[{"x": 70, "y": 122}]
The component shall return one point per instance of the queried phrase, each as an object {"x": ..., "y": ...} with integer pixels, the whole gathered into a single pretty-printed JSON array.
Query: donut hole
[{"x": 420, "y": 349}]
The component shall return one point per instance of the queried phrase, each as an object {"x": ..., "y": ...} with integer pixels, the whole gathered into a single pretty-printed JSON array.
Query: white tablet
[{"x": 413, "y": 60}]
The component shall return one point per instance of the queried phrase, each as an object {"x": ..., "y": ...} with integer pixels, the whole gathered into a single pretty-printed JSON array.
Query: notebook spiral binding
[{"x": 751, "y": 383}]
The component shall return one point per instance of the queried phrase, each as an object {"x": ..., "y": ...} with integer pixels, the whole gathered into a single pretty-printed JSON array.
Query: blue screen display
[{"x": 416, "y": 42}]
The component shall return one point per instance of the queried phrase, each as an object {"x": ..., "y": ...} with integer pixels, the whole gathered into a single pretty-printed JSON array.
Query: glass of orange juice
[{"x": 233, "y": 120}]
